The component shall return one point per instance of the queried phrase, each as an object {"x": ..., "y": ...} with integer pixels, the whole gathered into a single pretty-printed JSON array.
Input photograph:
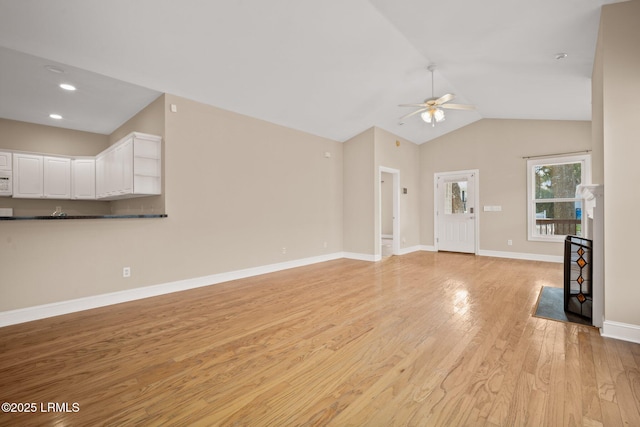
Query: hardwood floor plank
[
  {"x": 626, "y": 381},
  {"x": 554, "y": 408},
  {"x": 503, "y": 410},
  {"x": 573, "y": 380},
  {"x": 420, "y": 339},
  {"x": 591, "y": 408}
]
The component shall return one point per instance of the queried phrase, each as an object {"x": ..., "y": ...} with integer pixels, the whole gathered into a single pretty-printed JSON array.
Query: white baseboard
[
  {"x": 428, "y": 248},
  {"x": 361, "y": 257},
  {"x": 408, "y": 250},
  {"x": 376, "y": 258},
  {"x": 28, "y": 314},
  {"x": 521, "y": 255},
  {"x": 621, "y": 331}
]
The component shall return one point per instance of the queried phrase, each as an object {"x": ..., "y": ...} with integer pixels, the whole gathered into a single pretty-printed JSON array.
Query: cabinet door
[
  {"x": 107, "y": 173},
  {"x": 100, "y": 176},
  {"x": 83, "y": 179},
  {"x": 126, "y": 156},
  {"x": 57, "y": 178},
  {"x": 114, "y": 172},
  {"x": 27, "y": 176}
]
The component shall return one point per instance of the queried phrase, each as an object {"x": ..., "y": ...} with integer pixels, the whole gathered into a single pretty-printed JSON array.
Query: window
[
  {"x": 455, "y": 194},
  {"x": 555, "y": 210}
]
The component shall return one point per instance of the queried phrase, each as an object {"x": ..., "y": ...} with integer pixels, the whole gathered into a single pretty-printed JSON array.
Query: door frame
[
  {"x": 395, "y": 173},
  {"x": 476, "y": 204}
]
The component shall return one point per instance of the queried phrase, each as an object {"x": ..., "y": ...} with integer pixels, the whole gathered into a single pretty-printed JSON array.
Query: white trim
[
  {"x": 621, "y": 331},
  {"x": 585, "y": 159},
  {"x": 387, "y": 236},
  {"x": 375, "y": 258},
  {"x": 408, "y": 250},
  {"x": 428, "y": 248},
  {"x": 28, "y": 314},
  {"x": 361, "y": 257},
  {"x": 522, "y": 255}
]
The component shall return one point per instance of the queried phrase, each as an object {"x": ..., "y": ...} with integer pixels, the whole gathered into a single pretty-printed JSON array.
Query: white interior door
[{"x": 456, "y": 212}]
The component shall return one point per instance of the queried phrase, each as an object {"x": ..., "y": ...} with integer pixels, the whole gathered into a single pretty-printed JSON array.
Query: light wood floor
[{"x": 424, "y": 339}]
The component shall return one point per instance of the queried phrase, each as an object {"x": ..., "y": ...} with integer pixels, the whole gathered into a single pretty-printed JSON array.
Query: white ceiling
[
  {"x": 29, "y": 92},
  {"x": 332, "y": 68}
]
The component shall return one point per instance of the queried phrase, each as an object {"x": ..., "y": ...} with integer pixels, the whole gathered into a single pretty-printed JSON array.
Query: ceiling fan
[{"x": 432, "y": 109}]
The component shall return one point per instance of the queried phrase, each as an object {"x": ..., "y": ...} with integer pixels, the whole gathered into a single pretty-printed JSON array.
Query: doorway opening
[{"x": 389, "y": 212}]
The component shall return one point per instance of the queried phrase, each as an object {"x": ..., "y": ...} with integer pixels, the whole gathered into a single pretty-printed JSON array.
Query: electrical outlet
[
  {"x": 284, "y": 251},
  {"x": 325, "y": 245},
  {"x": 126, "y": 272},
  {"x": 509, "y": 242}
]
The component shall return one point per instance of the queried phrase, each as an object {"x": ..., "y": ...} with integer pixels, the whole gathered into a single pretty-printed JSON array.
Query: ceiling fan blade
[
  {"x": 406, "y": 116},
  {"x": 458, "y": 106},
  {"x": 423, "y": 105},
  {"x": 445, "y": 98}
]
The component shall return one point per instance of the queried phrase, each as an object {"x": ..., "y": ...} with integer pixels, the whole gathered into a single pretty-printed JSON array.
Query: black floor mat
[{"x": 551, "y": 306}]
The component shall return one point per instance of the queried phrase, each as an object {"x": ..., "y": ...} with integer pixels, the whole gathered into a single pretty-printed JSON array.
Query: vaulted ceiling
[{"x": 332, "y": 68}]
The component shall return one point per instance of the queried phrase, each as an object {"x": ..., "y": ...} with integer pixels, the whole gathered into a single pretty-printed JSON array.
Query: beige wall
[
  {"x": 21, "y": 136},
  {"x": 496, "y": 148},
  {"x": 364, "y": 154},
  {"x": 238, "y": 190},
  {"x": 397, "y": 153},
  {"x": 359, "y": 187},
  {"x": 148, "y": 120},
  {"x": 597, "y": 115},
  {"x": 620, "y": 62}
]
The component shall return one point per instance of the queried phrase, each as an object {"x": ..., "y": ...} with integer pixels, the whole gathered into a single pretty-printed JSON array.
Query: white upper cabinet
[
  {"x": 57, "y": 177},
  {"x": 130, "y": 168},
  {"x": 83, "y": 179},
  {"x": 38, "y": 177},
  {"x": 27, "y": 176}
]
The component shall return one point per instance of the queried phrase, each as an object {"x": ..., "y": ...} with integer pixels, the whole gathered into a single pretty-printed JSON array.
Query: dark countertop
[{"x": 48, "y": 217}]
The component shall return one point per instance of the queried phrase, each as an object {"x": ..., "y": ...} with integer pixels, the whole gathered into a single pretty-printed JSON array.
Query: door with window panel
[{"x": 455, "y": 214}]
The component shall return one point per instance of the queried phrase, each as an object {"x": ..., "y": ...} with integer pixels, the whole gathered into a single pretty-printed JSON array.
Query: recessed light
[
  {"x": 67, "y": 86},
  {"x": 55, "y": 116},
  {"x": 54, "y": 69},
  {"x": 561, "y": 55}
]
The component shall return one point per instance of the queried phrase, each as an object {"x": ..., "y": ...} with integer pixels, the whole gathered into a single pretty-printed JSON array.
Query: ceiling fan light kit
[
  {"x": 433, "y": 116},
  {"x": 431, "y": 110}
]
